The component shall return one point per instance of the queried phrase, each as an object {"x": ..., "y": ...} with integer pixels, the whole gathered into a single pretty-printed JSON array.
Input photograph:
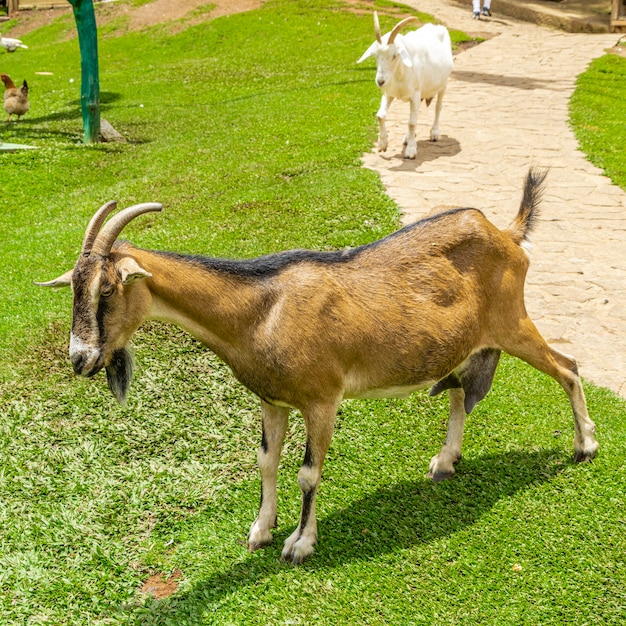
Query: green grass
[
  {"x": 598, "y": 110},
  {"x": 253, "y": 144}
]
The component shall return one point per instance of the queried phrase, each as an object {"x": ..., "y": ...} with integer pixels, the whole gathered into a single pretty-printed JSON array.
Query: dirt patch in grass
[
  {"x": 160, "y": 11},
  {"x": 161, "y": 586},
  {"x": 151, "y": 14}
]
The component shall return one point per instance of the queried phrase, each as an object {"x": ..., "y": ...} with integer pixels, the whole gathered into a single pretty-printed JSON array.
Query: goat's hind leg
[
  {"x": 466, "y": 386},
  {"x": 275, "y": 420},
  {"x": 434, "y": 131},
  {"x": 410, "y": 141},
  {"x": 381, "y": 116},
  {"x": 530, "y": 346}
]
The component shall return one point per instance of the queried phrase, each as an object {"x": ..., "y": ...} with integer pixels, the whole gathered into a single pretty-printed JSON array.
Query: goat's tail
[{"x": 528, "y": 213}]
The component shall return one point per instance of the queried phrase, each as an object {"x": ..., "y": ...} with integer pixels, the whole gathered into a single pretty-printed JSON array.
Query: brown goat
[{"x": 432, "y": 304}]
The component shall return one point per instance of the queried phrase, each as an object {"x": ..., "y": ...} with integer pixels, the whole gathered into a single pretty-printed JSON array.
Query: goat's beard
[{"x": 120, "y": 374}]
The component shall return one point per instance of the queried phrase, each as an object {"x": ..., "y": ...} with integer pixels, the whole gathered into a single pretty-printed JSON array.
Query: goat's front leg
[
  {"x": 381, "y": 116},
  {"x": 410, "y": 142},
  {"x": 275, "y": 420},
  {"x": 434, "y": 131},
  {"x": 442, "y": 464},
  {"x": 319, "y": 426}
]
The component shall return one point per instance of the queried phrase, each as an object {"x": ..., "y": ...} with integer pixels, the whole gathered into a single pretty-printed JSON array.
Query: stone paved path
[{"x": 506, "y": 108}]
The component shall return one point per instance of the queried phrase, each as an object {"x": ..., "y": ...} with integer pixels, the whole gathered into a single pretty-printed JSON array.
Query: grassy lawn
[
  {"x": 598, "y": 109},
  {"x": 252, "y": 142}
]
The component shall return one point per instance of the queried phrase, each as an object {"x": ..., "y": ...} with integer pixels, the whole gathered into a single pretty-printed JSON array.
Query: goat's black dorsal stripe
[{"x": 272, "y": 264}]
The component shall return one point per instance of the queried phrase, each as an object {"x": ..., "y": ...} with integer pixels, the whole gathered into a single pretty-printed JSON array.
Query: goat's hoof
[
  {"x": 585, "y": 453},
  {"x": 297, "y": 549},
  {"x": 442, "y": 466},
  {"x": 253, "y": 546},
  {"x": 297, "y": 554},
  {"x": 409, "y": 148},
  {"x": 581, "y": 456},
  {"x": 258, "y": 539},
  {"x": 440, "y": 475}
]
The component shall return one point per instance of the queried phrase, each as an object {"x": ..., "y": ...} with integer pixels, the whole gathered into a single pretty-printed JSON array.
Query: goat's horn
[
  {"x": 399, "y": 26},
  {"x": 94, "y": 225},
  {"x": 105, "y": 240},
  {"x": 377, "y": 28}
]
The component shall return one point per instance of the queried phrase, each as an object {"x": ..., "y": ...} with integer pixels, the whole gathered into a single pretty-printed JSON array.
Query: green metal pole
[{"x": 90, "y": 83}]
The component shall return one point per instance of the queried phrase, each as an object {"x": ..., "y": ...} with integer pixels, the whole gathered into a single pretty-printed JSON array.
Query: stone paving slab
[{"x": 506, "y": 108}]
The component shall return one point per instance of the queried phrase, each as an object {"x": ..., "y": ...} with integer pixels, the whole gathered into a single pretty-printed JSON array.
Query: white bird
[{"x": 11, "y": 44}]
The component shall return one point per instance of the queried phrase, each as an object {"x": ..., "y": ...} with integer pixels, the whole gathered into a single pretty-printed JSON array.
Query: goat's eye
[{"x": 107, "y": 292}]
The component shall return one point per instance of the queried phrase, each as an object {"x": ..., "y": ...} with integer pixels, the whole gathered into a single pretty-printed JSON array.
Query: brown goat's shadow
[
  {"x": 527, "y": 83},
  {"x": 394, "y": 517},
  {"x": 426, "y": 151}
]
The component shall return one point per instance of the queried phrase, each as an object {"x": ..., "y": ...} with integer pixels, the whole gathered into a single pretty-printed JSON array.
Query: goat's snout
[
  {"x": 380, "y": 81},
  {"x": 84, "y": 366},
  {"x": 78, "y": 361},
  {"x": 85, "y": 359}
]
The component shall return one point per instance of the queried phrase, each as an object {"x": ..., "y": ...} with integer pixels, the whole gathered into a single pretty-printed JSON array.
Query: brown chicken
[{"x": 15, "y": 99}]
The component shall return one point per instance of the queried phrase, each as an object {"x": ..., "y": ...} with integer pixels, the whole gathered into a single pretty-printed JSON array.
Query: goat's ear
[
  {"x": 65, "y": 280},
  {"x": 131, "y": 271},
  {"x": 370, "y": 52},
  {"x": 404, "y": 54}
]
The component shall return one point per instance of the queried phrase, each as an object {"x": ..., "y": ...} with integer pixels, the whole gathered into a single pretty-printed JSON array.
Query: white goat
[
  {"x": 432, "y": 304},
  {"x": 412, "y": 67}
]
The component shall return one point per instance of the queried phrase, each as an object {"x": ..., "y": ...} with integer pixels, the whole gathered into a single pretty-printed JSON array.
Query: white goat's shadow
[{"x": 426, "y": 151}]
